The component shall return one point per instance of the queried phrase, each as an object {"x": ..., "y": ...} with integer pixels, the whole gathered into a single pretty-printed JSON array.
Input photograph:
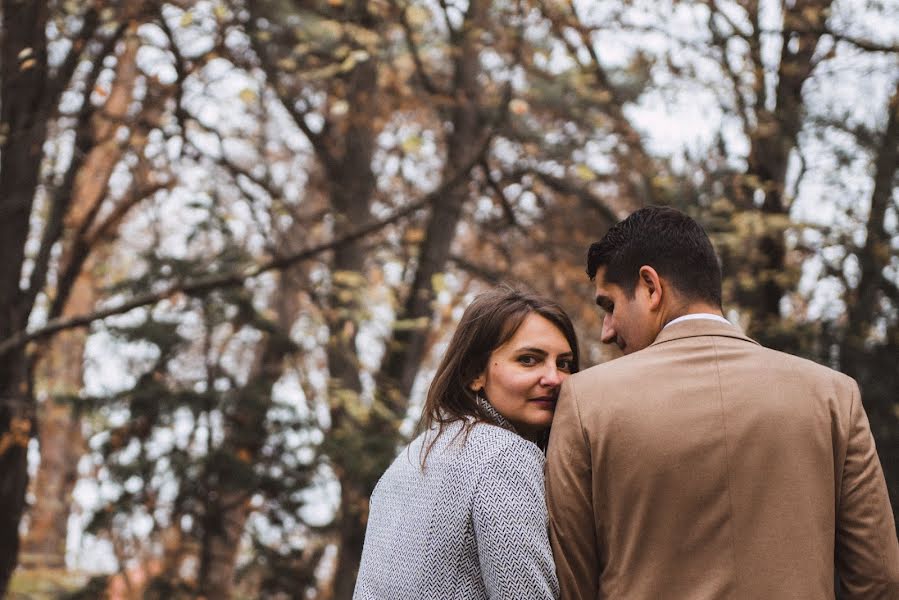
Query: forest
[{"x": 236, "y": 235}]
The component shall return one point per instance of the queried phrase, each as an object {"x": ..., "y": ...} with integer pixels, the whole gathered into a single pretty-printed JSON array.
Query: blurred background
[{"x": 235, "y": 236}]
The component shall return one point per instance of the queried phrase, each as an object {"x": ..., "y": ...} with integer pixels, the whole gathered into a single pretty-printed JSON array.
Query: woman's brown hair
[{"x": 488, "y": 322}]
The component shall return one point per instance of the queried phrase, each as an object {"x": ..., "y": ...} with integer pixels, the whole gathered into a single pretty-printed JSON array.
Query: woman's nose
[{"x": 552, "y": 376}]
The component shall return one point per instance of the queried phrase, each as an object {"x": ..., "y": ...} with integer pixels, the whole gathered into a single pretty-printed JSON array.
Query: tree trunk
[
  {"x": 869, "y": 360},
  {"x": 344, "y": 147},
  {"x": 60, "y": 373},
  {"x": 762, "y": 188},
  {"x": 353, "y": 185},
  {"x": 875, "y": 255},
  {"x": 60, "y": 367},
  {"x": 405, "y": 348},
  {"x": 229, "y": 506},
  {"x": 23, "y": 75}
]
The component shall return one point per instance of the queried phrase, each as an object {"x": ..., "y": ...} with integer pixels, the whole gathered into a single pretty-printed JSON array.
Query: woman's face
[{"x": 523, "y": 375}]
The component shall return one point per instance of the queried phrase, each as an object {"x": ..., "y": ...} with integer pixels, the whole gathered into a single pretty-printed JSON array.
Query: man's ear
[{"x": 649, "y": 279}]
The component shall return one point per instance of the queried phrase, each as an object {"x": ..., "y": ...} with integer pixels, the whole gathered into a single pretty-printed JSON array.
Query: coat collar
[
  {"x": 491, "y": 412},
  {"x": 700, "y": 327}
]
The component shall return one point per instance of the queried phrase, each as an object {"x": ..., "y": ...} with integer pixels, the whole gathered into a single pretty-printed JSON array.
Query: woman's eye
[
  {"x": 566, "y": 364},
  {"x": 528, "y": 360}
]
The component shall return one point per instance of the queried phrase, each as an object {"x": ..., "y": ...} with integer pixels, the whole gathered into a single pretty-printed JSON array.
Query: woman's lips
[{"x": 544, "y": 401}]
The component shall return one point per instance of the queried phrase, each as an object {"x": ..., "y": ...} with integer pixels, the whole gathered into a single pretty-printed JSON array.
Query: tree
[
  {"x": 30, "y": 92},
  {"x": 60, "y": 364}
]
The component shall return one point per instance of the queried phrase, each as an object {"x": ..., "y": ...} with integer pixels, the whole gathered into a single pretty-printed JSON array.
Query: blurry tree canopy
[{"x": 236, "y": 235}]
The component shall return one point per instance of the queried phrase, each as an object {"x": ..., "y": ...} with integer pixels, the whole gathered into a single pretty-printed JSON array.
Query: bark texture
[
  {"x": 23, "y": 84},
  {"x": 60, "y": 366}
]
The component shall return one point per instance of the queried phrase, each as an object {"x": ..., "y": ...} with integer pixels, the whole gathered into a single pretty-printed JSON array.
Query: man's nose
[{"x": 608, "y": 330}]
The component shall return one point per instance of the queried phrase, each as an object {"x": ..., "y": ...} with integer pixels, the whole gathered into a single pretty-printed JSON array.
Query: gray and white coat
[{"x": 471, "y": 525}]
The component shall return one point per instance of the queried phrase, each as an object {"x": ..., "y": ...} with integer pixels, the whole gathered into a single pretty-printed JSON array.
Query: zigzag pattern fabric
[{"x": 472, "y": 525}]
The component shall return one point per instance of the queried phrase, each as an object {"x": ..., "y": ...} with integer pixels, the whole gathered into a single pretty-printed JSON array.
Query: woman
[{"x": 460, "y": 514}]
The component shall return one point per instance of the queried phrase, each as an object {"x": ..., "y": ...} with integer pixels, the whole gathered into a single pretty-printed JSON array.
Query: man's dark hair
[{"x": 665, "y": 239}]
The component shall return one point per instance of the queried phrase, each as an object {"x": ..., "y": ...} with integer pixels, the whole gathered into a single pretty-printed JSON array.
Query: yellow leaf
[
  {"x": 187, "y": 18},
  {"x": 584, "y": 172},
  {"x": 248, "y": 95},
  {"x": 410, "y": 324},
  {"x": 329, "y": 29},
  {"x": 348, "y": 64},
  {"x": 418, "y": 15},
  {"x": 287, "y": 64},
  {"x": 414, "y": 235},
  {"x": 663, "y": 182},
  {"x": 364, "y": 37},
  {"x": 412, "y": 144},
  {"x": 438, "y": 282},
  {"x": 348, "y": 278},
  {"x": 221, "y": 12},
  {"x": 324, "y": 72},
  {"x": 340, "y": 108}
]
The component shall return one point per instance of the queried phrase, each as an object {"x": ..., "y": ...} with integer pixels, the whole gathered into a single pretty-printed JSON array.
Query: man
[{"x": 701, "y": 465}]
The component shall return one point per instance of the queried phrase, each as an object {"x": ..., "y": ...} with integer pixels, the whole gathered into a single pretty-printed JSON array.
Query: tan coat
[{"x": 706, "y": 466}]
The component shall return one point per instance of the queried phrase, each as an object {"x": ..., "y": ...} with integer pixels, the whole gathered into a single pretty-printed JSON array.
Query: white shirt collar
[{"x": 697, "y": 316}]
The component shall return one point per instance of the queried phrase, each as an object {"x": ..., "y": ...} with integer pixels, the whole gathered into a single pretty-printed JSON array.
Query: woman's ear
[{"x": 477, "y": 383}]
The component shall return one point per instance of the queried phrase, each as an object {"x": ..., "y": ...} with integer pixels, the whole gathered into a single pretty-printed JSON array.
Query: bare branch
[
  {"x": 67, "y": 69},
  {"x": 299, "y": 116},
  {"x": 181, "y": 71},
  {"x": 423, "y": 76},
  {"x": 481, "y": 272},
  {"x": 803, "y": 170},
  {"x": 864, "y": 137},
  {"x": 613, "y": 106},
  {"x": 865, "y": 45},
  {"x": 720, "y": 40},
  {"x": 890, "y": 290},
  {"x": 454, "y": 33},
  {"x": 500, "y": 195},
  {"x": 61, "y": 196},
  {"x": 564, "y": 186},
  {"x": 121, "y": 209},
  {"x": 207, "y": 284},
  {"x": 755, "y": 54},
  {"x": 715, "y": 10}
]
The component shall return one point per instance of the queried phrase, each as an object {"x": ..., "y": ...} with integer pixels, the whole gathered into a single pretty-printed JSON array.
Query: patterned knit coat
[{"x": 471, "y": 525}]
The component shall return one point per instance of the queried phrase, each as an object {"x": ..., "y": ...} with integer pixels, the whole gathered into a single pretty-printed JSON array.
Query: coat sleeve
[
  {"x": 867, "y": 553},
  {"x": 569, "y": 498},
  {"x": 509, "y": 518}
]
